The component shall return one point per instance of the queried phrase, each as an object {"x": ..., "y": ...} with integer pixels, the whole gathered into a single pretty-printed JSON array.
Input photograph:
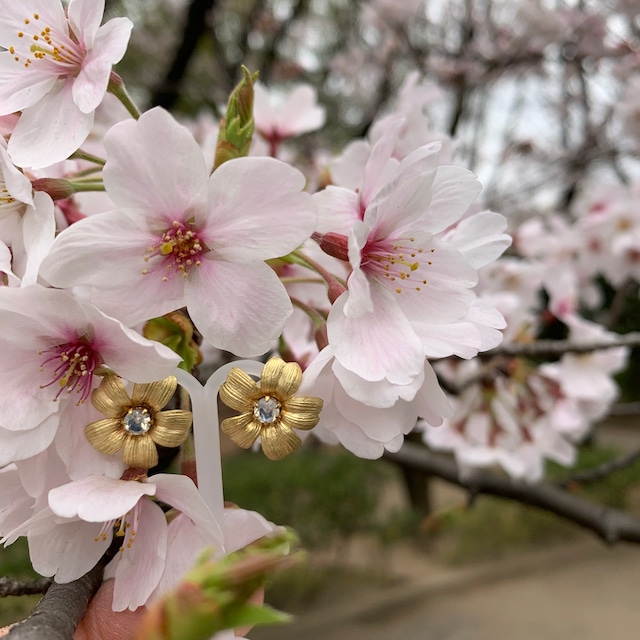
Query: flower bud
[
  {"x": 57, "y": 188},
  {"x": 333, "y": 244},
  {"x": 237, "y": 127}
]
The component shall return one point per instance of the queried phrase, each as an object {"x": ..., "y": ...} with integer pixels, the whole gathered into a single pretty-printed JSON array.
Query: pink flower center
[
  {"x": 71, "y": 366},
  {"x": 51, "y": 49},
  {"x": 397, "y": 263},
  {"x": 179, "y": 250}
]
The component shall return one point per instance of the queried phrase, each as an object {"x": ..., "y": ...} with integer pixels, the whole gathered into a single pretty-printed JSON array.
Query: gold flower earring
[
  {"x": 137, "y": 424},
  {"x": 269, "y": 409}
]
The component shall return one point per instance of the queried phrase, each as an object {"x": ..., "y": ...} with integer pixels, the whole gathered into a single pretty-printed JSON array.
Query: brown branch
[
  {"x": 12, "y": 587},
  {"x": 59, "y": 612},
  {"x": 547, "y": 348},
  {"x": 612, "y": 525},
  {"x": 62, "y": 607},
  {"x": 195, "y": 26}
]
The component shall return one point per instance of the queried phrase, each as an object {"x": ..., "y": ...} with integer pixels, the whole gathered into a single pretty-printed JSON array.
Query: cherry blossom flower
[
  {"x": 299, "y": 114},
  {"x": 404, "y": 277},
  {"x": 27, "y": 222},
  {"x": 528, "y": 414},
  {"x": 376, "y": 420},
  {"x": 516, "y": 424},
  {"x": 270, "y": 410},
  {"x": 184, "y": 238},
  {"x": 51, "y": 345},
  {"x": 67, "y": 538},
  {"x": 588, "y": 377},
  {"x": 55, "y": 70}
]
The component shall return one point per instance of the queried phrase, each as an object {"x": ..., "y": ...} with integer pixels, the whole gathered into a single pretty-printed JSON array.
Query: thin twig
[
  {"x": 603, "y": 470},
  {"x": 547, "y": 348}
]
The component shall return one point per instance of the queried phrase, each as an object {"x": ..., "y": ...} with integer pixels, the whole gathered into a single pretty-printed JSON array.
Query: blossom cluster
[{"x": 121, "y": 230}]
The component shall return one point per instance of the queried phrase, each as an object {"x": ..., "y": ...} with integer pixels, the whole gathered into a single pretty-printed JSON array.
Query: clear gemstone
[
  {"x": 137, "y": 421},
  {"x": 267, "y": 409}
]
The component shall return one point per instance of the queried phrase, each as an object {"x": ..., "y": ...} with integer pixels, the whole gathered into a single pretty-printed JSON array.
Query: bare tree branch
[
  {"x": 12, "y": 587},
  {"x": 167, "y": 91},
  {"x": 59, "y": 612},
  {"x": 62, "y": 607},
  {"x": 612, "y": 525}
]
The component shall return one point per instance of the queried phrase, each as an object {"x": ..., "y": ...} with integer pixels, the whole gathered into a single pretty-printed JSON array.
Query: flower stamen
[
  {"x": 76, "y": 362},
  {"x": 399, "y": 263},
  {"x": 179, "y": 250},
  {"x": 50, "y": 47}
]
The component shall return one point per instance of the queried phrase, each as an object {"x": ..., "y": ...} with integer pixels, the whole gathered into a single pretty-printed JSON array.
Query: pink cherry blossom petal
[
  {"x": 154, "y": 164},
  {"x": 138, "y": 568},
  {"x": 67, "y": 550},
  {"x": 97, "y": 498},
  {"x": 85, "y": 17},
  {"x": 24, "y": 444},
  {"x": 181, "y": 493},
  {"x": 49, "y": 130},
  {"x": 257, "y": 210},
  {"x": 239, "y": 308},
  {"x": 110, "y": 45},
  {"x": 377, "y": 345}
]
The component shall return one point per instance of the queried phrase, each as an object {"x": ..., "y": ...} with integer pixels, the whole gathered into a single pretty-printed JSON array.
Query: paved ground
[{"x": 582, "y": 592}]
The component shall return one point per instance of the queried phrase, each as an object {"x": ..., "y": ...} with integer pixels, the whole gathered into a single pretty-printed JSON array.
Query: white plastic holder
[{"x": 206, "y": 429}]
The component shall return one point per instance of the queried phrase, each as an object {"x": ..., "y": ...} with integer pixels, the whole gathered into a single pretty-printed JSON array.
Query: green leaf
[
  {"x": 175, "y": 331},
  {"x": 252, "y": 614}
]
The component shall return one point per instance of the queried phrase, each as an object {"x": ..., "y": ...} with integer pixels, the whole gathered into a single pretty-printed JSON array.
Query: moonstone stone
[
  {"x": 137, "y": 421},
  {"x": 267, "y": 409}
]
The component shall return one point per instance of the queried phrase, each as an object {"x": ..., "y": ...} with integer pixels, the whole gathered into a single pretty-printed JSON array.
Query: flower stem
[
  {"x": 87, "y": 186},
  {"x": 83, "y": 155},
  {"x": 117, "y": 88},
  {"x": 316, "y": 317},
  {"x": 292, "y": 280},
  {"x": 305, "y": 261}
]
